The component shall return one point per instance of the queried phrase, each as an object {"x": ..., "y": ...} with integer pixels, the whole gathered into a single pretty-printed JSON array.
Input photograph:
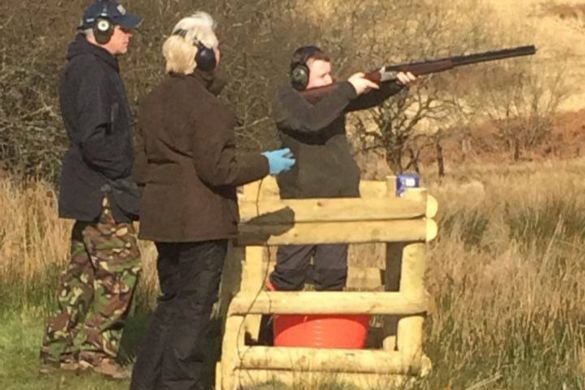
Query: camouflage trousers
[{"x": 95, "y": 292}]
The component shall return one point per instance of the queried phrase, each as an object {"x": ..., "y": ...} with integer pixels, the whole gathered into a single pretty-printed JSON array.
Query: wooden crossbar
[
  {"x": 330, "y": 210},
  {"x": 268, "y": 189},
  {"x": 333, "y": 360},
  {"x": 299, "y": 379},
  {"x": 337, "y": 232},
  {"x": 312, "y": 302}
]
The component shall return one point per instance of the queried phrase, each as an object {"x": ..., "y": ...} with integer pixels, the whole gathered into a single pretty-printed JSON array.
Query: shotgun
[{"x": 388, "y": 73}]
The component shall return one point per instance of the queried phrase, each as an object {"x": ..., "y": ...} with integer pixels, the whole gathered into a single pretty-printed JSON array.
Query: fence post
[
  {"x": 410, "y": 328},
  {"x": 391, "y": 277},
  {"x": 254, "y": 272},
  {"x": 233, "y": 342}
]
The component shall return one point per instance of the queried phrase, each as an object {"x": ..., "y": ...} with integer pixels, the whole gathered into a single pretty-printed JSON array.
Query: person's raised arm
[
  {"x": 293, "y": 112},
  {"x": 376, "y": 97}
]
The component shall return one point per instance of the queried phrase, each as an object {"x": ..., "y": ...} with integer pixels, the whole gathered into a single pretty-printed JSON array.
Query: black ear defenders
[
  {"x": 205, "y": 57},
  {"x": 103, "y": 28},
  {"x": 299, "y": 71}
]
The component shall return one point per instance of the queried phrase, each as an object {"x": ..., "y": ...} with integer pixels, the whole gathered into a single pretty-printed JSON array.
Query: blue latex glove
[{"x": 280, "y": 160}]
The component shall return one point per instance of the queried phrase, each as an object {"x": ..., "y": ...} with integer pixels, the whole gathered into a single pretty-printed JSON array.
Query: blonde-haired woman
[{"x": 186, "y": 160}]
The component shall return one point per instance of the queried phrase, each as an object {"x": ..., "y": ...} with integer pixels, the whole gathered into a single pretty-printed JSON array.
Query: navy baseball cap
[{"x": 113, "y": 11}]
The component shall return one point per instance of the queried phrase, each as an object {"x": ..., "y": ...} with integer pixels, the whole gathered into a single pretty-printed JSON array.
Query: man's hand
[
  {"x": 405, "y": 78},
  {"x": 362, "y": 84}
]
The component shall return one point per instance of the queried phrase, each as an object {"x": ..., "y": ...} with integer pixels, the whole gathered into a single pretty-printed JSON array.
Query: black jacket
[
  {"x": 317, "y": 137},
  {"x": 97, "y": 119}
]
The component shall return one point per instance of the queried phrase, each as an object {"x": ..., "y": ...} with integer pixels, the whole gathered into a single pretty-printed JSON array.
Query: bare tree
[
  {"x": 402, "y": 127},
  {"x": 521, "y": 99},
  {"x": 258, "y": 39}
]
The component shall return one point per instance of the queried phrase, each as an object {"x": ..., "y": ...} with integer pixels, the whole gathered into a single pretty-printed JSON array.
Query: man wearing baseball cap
[
  {"x": 96, "y": 191},
  {"x": 111, "y": 10}
]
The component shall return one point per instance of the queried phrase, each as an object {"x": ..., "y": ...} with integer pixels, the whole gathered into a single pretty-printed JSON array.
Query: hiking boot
[
  {"x": 108, "y": 368},
  {"x": 51, "y": 367}
]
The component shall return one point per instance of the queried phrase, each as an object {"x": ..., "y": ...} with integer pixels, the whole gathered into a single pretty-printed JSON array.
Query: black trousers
[
  {"x": 293, "y": 267},
  {"x": 174, "y": 347}
]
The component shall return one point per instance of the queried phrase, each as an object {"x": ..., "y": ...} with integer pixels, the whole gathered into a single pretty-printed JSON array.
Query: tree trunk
[
  {"x": 440, "y": 159},
  {"x": 413, "y": 160},
  {"x": 394, "y": 160},
  {"x": 516, "y": 149}
]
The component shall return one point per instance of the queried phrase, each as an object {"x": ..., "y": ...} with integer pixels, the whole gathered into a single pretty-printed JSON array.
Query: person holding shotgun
[
  {"x": 310, "y": 117},
  {"x": 315, "y": 133}
]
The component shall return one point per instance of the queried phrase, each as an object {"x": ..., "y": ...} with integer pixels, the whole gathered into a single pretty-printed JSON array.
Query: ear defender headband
[
  {"x": 103, "y": 28},
  {"x": 299, "y": 71},
  {"x": 205, "y": 57}
]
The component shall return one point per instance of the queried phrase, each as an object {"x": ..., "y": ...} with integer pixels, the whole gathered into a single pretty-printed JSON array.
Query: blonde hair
[{"x": 180, "y": 48}]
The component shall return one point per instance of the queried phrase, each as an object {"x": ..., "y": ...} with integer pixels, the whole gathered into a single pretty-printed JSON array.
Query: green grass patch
[{"x": 20, "y": 339}]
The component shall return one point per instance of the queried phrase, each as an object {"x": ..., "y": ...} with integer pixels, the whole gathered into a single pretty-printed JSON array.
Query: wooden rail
[{"x": 404, "y": 225}]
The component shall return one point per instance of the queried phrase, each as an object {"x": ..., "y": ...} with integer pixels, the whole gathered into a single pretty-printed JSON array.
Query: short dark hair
[{"x": 306, "y": 53}]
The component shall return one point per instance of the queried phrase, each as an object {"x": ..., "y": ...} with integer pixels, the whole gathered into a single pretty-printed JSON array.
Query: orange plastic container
[{"x": 321, "y": 331}]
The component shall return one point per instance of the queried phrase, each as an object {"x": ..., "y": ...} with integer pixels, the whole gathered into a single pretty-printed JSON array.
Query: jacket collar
[
  {"x": 213, "y": 82},
  {"x": 80, "y": 46}
]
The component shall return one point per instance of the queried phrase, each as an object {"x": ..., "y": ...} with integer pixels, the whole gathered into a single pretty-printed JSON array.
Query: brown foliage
[{"x": 257, "y": 39}]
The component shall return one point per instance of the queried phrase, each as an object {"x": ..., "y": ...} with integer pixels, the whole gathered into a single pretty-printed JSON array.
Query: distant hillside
[
  {"x": 556, "y": 27},
  {"x": 559, "y": 31}
]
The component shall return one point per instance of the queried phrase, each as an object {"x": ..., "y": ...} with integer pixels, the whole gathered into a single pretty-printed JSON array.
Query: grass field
[{"x": 506, "y": 276}]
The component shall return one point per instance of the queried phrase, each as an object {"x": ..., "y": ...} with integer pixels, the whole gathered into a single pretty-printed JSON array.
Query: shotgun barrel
[{"x": 388, "y": 73}]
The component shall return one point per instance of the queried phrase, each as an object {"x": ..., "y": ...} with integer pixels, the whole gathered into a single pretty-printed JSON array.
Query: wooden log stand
[{"x": 404, "y": 224}]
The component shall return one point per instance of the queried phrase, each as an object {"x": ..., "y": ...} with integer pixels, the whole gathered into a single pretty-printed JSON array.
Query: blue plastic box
[{"x": 406, "y": 180}]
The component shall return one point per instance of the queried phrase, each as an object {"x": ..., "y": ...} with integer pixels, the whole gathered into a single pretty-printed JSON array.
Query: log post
[
  {"x": 231, "y": 278},
  {"x": 233, "y": 343},
  {"x": 255, "y": 269},
  {"x": 392, "y": 283},
  {"x": 392, "y": 277},
  {"x": 410, "y": 328}
]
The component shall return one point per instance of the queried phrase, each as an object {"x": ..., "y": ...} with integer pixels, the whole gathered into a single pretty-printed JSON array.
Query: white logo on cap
[{"x": 121, "y": 9}]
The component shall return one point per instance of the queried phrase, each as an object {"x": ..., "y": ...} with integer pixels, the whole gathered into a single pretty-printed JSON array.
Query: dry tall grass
[
  {"x": 33, "y": 241},
  {"x": 505, "y": 274},
  {"x": 34, "y": 246}
]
